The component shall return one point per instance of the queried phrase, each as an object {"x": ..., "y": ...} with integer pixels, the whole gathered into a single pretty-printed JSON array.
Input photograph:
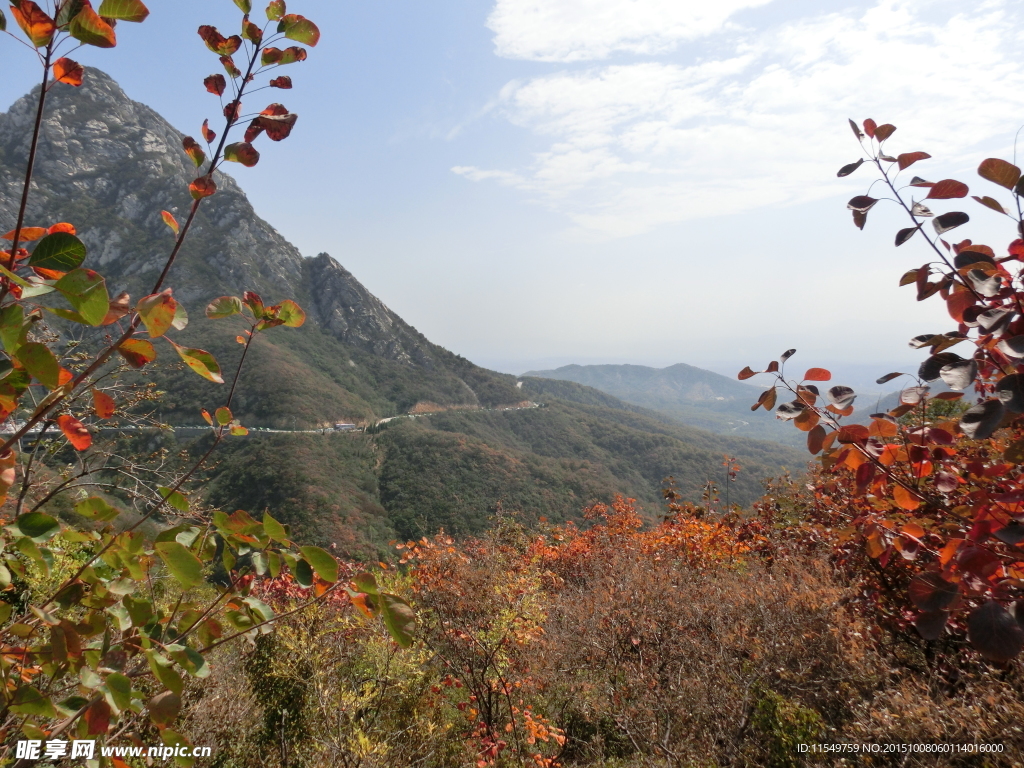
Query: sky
[{"x": 532, "y": 183}]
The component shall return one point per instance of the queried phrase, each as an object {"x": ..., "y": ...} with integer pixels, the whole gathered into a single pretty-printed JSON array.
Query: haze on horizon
[{"x": 650, "y": 181}]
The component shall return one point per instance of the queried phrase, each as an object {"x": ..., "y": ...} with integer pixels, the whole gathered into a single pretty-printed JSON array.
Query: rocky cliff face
[{"x": 110, "y": 165}]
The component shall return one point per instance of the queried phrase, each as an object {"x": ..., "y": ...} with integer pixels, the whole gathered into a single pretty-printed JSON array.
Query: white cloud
[
  {"x": 635, "y": 146},
  {"x": 579, "y": 30}
]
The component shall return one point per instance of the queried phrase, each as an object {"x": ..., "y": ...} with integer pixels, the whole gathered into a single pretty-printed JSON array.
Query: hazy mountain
[
  {"x": 687, "y": 394},
  {"x": 110, "y": 165}
]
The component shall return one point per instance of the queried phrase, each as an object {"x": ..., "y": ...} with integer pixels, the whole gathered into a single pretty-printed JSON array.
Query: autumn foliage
[
  {"x": 103, "y": 622},
  {"x": 933, "y": 495}
]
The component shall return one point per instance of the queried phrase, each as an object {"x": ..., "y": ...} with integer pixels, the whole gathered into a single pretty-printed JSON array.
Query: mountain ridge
[{"x": 353, "y": 360}]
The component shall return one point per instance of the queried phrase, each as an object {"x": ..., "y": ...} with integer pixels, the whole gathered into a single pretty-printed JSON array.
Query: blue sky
[{"x": 536, "y": 182}]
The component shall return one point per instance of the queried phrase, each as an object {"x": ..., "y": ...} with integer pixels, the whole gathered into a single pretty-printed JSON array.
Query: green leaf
[
  {"x": 120, "y": 688},
  {"x": 192, "y": 662},
  {"x": 28, "y": 700},
  {"x": 95, "y": 508},
  {"x": 244, "y": 5},
  {"x": 13, "y": 329},
  {"x": 275, "y": 10},
  {"x": 399, "y": 618},
  {"x": 87, "y": 27},
  {"x": 140, "y": 609},
  {"x": 365, "y": 582},
  {"x": 274, "y": 529},
  {"x": 3, "y": 22},
  {"x": 290, "y": 314},
  {"x": 322, "y": 562},
  {"x": 86, "y": 291},
  {"x": 300, "y": 29},
  {"x": 200, "y": 361},
  {"x": 68, "y": 11},
  {"x": 261, "y": 609},
  {"x": 60, "y": 251},
  {"x": 36, "y": 526},
  {"x": 123, "y": 10},
  {"x": 303, "y": 574},
  {"x": 40, "y": 362},
  {"x": 13, "y": 277},
  {"x": 223, "y": 416},
  {"x": 174, "y": 498},
  {"x": 225, "y": 306},
  {"x": 173, "y": 739},
  {"x": 183, "y": 565},
  {"x": 163, "y": 670},
  {"x": 6, "y": 609}
]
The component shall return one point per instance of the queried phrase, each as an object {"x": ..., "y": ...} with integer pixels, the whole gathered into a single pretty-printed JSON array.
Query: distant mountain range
[
  {"x": 689, "y": 395},
  {"x": 109, "y": 165}
]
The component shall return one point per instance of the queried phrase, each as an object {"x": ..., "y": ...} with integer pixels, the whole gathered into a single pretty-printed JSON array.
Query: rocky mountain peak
[{"x": 110, "y": 165}]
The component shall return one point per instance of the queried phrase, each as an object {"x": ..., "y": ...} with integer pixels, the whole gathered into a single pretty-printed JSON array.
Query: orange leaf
[
  {"x": 62, "y": 227},
  {"x": 75, "y": 432},
  {"x": 119, "y": 307},
  {"x": 817, "y": 374},
  {"x": 170, "y": 221},
  {"x": 958, "y": 303},
  {"x": 202, "y": 187},
  {"x": 907, "y": 500},
  {"x": 137, "y": 352},
  {"x": 28, "y": 234},
  {"x": 103, "y": 404},
  {"x": 746, "y": 373},
  {"x": 37, "y": 25},
  {"x": 68, "y": 71}
]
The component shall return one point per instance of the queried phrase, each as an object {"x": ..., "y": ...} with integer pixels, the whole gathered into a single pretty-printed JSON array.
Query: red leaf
[
  {"x": 75, "y": 432},
  {"x": 947, "y": 189},
  {"x": 907, "y": 159},
  {"x": 194, "y": 151},
  {"x": 817, "y": 374},
  {"x": 217, "y": 43},
  {"x": 853, "y": 433},
  {"x": 865, "y": 474},
  {"x": 215, "y": 84},
  {"x": 202, "y": 187},
  {"x": 243, "y": 153},
  {"x": 995, "y": 633},
  {"x": 233, "y": 110},
  {"x": 999, "y": 172},
  {"x": 68, "y": 72},
  {"x": 284, "y": 82},
  {"x": 229, "y": 67},
  {"x": 816, "y": 439},
  {"x": 103, "y": 404},
  {"x": 97, "y": 718},
  {"x": 869, "y": 127},
  {"x": 207, "y": 133},
  {"x": 746, "y": 373},
  {"x": 883, "y": 132}
]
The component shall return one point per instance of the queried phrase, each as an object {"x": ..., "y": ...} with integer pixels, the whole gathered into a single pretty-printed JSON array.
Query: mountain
[
  {"x": 687, "y": 394},
  {"x": 110, "y": 165}
]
